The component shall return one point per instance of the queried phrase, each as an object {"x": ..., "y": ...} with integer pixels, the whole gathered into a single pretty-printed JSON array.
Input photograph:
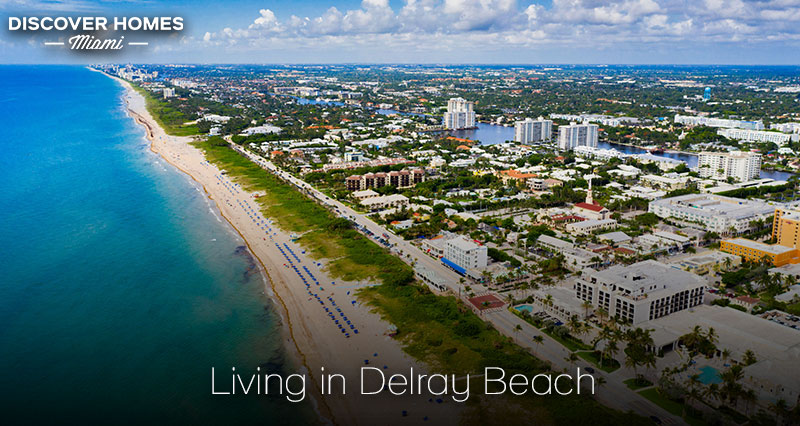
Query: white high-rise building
[
  {"x": 529, "y": 130},
  {"x": 169, "y": 92},
  {"x": 742, "y": 166},
  {"x": 459, "y": 115},
  {"x": 576, "y": 135}
]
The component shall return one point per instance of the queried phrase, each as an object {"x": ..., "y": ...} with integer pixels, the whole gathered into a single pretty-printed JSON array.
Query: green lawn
[
  {"x": 633, "y": 384},
  {"x": 609, "y": 365},
  {"x": 673, "y": 407},
  {"x": 570, "y": 343}
]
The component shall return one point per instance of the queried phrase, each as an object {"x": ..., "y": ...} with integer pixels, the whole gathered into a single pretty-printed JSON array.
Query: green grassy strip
[
  {"x": 352, "y": 256},
  {"x": 673, "y": 407},
  {"x": 609, "y": 365},
  {"x": 634, "y": 384},
  {"x": 446, "y": 334},
  {"x": 438, "y": 330},
  {"x": 170, "y": 119}
]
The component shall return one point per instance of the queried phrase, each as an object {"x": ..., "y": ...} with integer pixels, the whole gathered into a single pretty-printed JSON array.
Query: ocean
[{"x": 121, "y": 285}]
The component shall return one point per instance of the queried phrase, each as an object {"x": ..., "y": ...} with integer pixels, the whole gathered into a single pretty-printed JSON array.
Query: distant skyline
[{"x": 437, "y": 31}]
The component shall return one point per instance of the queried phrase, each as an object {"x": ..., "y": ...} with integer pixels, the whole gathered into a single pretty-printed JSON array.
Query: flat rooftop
[
  {"x": 648, "y": 277},
  {"x": 463, "y": 244},
  {"x": 562, "y": 296},
  {"x": 716, "y": 205},
  {"x": 707, "y": 257},
  {"x": 616, "y": 237},
  {"x": 737, "y": 331},
  {"x": 755, "y": 245}
]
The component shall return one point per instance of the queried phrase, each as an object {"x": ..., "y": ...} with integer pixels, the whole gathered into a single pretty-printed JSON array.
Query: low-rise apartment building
[
  {"x": 642, "y": 291},
  {"x": 463, "y": 254},
  {"x": 723, "y": 215},
  {"x": 588, "y": 226}
]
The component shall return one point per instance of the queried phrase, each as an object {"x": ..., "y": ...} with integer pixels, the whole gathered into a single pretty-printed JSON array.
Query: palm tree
[
  {"x": 748, "y": 396},
  {"x": 517, "y": 328},
  {"x": 611, "y": 349},
  {"x": 637, "y": 352},
  {"x": 538, "y": 340},
  {"x": 586, "y": 306},
  {"x": 572, "y": 358},
  {"x": 692, "y": 394},
  {"x": 711, "y": 335},
  {"x": 728, "y": 263},
  {"x": 749, "y": 358},
  {"x": 780, "y": 408},
  {"x": 574, "y": 325},
  {"x": 548, "y": 300},
  {"x": 692, "y": 339},
  {"x": 712, "y": 391},
  {"x": 731, "y": 389}
]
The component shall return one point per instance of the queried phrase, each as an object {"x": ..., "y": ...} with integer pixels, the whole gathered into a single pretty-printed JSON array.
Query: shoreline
[
  {"x": 312, "y": 340},
  {"x": 285, "y": 323}
]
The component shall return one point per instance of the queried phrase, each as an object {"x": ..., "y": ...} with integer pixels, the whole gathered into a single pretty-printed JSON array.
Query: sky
[{"x": 434, "y": 31}]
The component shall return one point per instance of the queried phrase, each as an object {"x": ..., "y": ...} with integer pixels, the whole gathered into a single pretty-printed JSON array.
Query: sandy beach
[{"x": 324, "y": 324}]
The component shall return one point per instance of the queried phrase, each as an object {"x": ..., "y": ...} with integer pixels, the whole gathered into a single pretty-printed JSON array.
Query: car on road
[{"x": 589, "y": 370}]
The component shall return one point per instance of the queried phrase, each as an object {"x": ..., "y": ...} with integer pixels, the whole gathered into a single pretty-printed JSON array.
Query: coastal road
[
  {"x": 614, "y": 393},
  {"x": 408, "y": 252}
]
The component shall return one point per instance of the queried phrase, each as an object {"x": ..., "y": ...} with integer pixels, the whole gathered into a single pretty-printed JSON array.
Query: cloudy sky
[{"x": 439, "y": 31}]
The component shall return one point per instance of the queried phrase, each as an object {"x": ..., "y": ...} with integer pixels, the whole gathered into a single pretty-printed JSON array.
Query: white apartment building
[
  {"x": 669, "y": 183},
  {"x": 742, "y": 166},
  {"x": 723, "y": 215},
  {"x": 690, "y": 120},
  {"x": 385, "y": 202},
  {"x": 605, "y": 120},
  {"x": 588, "y": 226},
  {"x": 465, "y": 254},
  {"x": 641, "y": 292},
  {"x": 169, "y": 92},
  {"x": 460, "y": 114},
  {"x": 529, "y": 130},
  {"x": 758, "y": 136},
  {"x": 791, "y": 127},
  {"x": 598, "y": 153},
  {"x": 575, "y": 258},
  {"x": 575, "y": 135}
]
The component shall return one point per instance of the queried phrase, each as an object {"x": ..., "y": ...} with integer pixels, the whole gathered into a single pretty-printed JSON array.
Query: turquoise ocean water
[{"x": 120, "y": 285}]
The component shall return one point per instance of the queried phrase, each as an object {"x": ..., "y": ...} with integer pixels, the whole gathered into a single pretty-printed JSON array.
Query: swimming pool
[
  {"x": 709, "y": 375},
  {"x": 526, "y": 308}
]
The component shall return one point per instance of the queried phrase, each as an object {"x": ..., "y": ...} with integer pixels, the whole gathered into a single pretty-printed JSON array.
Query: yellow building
[
  {"x": 786, "y": 227},
  {"x": 754, "y": 251},
  {"x": 785, "y": 232}
]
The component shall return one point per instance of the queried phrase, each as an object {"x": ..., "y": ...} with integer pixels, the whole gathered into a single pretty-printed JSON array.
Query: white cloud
[{"x": 453, "y": 24}]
